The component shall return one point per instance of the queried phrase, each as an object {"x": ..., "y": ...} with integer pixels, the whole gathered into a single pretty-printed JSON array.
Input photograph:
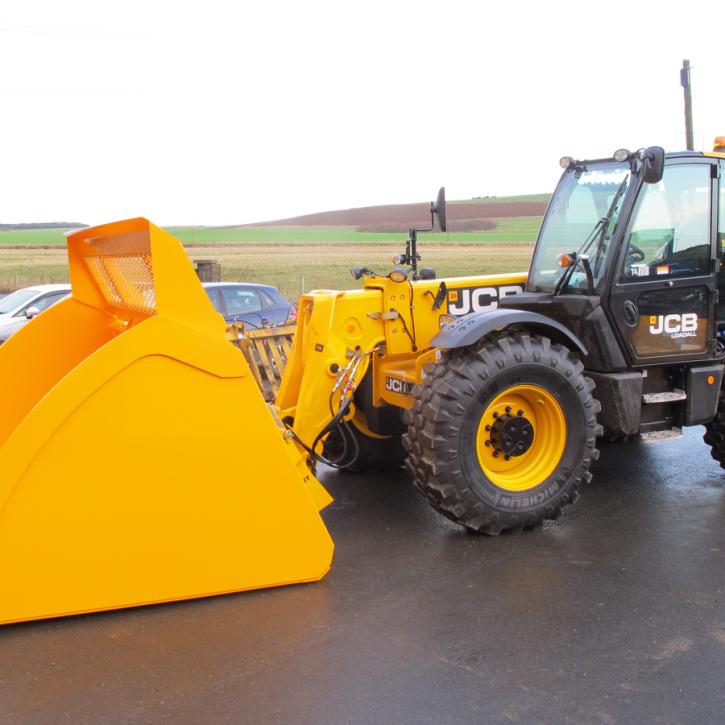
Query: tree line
[{"x": 40, "y": 225}]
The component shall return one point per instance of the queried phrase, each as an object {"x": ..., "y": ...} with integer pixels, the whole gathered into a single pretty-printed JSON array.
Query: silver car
[{"x": 25, "y": 303}]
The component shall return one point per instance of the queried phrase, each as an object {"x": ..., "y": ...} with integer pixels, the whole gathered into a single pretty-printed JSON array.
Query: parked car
[
  {"x": 256, "y": 305},
  {"x": 31, "y": 311},
  {"x": 16, "y": 306}
]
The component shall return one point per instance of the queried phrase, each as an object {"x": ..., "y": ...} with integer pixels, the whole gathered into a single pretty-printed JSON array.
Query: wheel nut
[
  {"x": 521, "y": 412},
  {"x": 507, "y": 458},
  {"x": 488, "y": 427},
  {"x": 488, "y": 444},
  {"x": 508, "y": 408},
  {"x": 495, "y": 415},
  {"x": 495, "y": 454}
]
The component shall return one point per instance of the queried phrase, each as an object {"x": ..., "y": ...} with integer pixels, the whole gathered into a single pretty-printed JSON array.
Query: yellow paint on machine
[
  {"x": 138, "y": 461},
  {"x": 400, "y": 319},
  {"x": 543, "y": 412}
]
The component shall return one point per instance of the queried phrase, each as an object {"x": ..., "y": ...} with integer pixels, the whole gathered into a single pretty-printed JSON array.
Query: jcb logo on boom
[
  {"x": 477, "y": 299},
  {"x": 674, "y": 325},
  {"x": 398, "y": 386}
]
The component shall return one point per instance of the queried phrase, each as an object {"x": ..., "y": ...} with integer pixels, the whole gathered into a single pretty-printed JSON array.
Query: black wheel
[
  {"x": 359, "y": 452},
  {"x": 715, "y": 433},
  {"x": 501, "y": 436}
]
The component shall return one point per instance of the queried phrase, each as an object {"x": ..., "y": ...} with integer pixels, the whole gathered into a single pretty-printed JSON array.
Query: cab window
[{"x": 670, "y": 232}]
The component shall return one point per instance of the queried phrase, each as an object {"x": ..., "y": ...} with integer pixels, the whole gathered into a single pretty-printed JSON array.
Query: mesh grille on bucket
[{"x": 125, "y": 281}]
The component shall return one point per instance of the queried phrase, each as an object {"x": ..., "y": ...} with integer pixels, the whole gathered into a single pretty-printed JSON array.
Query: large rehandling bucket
[{"x": 138, "y": 460}]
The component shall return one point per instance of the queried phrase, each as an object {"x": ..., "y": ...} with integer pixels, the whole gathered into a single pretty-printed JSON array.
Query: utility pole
[{"x": 685, "y": 83}]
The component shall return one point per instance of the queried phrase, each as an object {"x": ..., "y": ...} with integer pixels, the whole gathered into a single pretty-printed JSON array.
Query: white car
[{"x": 30, "y": 301}]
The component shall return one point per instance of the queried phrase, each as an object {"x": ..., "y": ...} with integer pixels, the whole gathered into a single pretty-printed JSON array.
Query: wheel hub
[
  {"x": 511, "y": 435},
  {"x": 521, "y": 437}
]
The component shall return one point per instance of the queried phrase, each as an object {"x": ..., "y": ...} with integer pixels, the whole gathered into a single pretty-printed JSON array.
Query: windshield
[
  {"x": 574, "y": 223},
  {"x": 16, "y": 299}
]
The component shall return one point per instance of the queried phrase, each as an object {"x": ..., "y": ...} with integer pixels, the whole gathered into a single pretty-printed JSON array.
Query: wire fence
[
  {"x": 10, "y": 281},
  {"x": 291, "y": 288}
]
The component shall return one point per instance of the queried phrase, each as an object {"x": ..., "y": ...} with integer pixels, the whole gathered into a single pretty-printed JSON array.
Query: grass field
[
  {"x": 306, "y": 235},
  {"x": 291, "y": 268},
  {"x": 518, "y": 230},
  {"x": 292, "y": 258},
  {"x": 500, "y": 199}
]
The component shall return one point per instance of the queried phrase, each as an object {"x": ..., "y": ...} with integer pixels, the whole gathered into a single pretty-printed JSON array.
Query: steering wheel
[{"x": 635, "y": 254}]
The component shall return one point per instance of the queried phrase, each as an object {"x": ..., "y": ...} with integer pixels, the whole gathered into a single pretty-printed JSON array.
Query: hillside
[
  {"x": 491, "y": 220},
  {"x": 472, "y": 215}
]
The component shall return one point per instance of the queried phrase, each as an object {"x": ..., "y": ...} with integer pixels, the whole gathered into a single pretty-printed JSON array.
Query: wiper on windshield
[
  {"x": 597, "y": 233},
  {"x": 607, "y": 221}
]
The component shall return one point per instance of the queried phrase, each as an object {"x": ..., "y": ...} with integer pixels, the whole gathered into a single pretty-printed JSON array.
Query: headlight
[
  {"x": 398, "y": 275},
  {"x": 566, "y": 162}
]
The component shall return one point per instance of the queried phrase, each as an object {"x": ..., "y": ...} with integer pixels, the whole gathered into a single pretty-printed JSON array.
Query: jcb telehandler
[
  {"x": 499, "y": 412},
  {"x": 140, "y": 464}
]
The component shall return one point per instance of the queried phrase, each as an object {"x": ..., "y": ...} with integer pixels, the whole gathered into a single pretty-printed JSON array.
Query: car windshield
[
  {"x": 586, "y": 197},
  {"x": 15, "y": 300}
]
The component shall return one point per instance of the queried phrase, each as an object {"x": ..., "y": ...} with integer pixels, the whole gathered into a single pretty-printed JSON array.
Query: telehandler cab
[{"x": 139, "y": 462}]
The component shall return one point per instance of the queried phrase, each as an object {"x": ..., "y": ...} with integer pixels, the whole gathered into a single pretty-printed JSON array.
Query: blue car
[{"x": 256, "y": 305}]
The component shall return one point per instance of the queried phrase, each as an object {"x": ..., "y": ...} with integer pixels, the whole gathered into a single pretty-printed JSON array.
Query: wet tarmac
[{"x": 614, "y": 614}]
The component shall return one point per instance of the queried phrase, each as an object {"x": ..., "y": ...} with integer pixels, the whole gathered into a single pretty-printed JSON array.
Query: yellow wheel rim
[{"x": 521, "y": 437}]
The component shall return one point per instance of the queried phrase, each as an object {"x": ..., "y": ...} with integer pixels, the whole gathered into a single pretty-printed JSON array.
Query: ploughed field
[{"x": 318, "y": 250}]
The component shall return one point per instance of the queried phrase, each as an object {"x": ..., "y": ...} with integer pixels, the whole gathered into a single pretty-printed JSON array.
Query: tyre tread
[{"x": 435, "y": 420}]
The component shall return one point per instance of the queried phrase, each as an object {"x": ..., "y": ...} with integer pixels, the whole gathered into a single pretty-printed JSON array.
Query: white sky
[{"x": 230, "y": 112}]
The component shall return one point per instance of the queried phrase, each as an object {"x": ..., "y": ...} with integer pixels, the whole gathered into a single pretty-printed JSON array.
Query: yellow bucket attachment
[{"x": 138, "y": 461}]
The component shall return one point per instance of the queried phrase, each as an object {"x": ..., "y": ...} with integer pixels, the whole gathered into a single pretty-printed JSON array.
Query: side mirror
[
  {"x": 438, "y": 209},
  {"x": 653, "y": 164},
  {"x": 32, "y": 312},
  {"x": 360, "y": 272}
]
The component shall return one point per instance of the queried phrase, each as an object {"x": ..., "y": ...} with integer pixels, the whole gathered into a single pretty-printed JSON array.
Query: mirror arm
[
  {"x": 588, "y": 271},
  {"x": 411, "y": 247}
]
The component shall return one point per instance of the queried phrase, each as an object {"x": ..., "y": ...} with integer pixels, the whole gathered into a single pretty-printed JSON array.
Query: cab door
[{"x": 665, "y": 284}]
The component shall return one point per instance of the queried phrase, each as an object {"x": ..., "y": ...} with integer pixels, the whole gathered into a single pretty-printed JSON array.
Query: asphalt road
[{"x": 614, "y": 614}]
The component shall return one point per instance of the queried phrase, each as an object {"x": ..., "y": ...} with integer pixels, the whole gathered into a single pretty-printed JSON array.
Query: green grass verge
[
  {"x": 33, "y": 237},
  {"x": 501, "y": 199},
  {"x": 517, "y": 231}
]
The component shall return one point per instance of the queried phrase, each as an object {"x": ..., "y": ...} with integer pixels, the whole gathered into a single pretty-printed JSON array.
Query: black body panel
[
  {"x": 471, "y": 328},
  {"x": 621, "y": 397},
  {"x": 702, "y": 395},
  {"x": 584, "y": 317}
]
